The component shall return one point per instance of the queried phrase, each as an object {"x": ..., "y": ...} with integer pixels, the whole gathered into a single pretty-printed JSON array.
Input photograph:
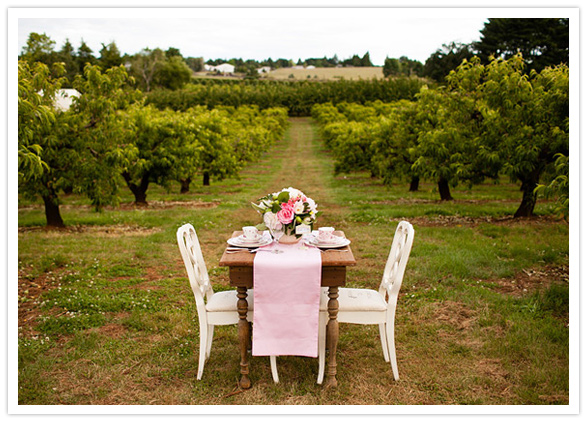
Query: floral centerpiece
[{"x": 288, "y": 212}]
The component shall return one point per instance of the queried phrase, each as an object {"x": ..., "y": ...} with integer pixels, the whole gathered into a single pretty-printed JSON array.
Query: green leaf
[{"x": 283, "y": 197}]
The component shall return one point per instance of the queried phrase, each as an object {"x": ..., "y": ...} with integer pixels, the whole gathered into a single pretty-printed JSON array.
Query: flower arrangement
[{"x": 289, "y": 211}]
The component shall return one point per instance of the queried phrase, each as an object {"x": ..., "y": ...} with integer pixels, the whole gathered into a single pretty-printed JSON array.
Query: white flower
[
  {"x": 312, "y": 205},
  {"x": 298, "y": 207},
  {"x": 271, "y": 221},
  {"x": 294, "y": 194}
]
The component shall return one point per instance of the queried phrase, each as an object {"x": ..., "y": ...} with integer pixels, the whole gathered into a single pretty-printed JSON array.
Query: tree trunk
[
  {"x": 526, "y": 208},
  {"x": 185, "y": 185},
  {"x": 415, "y": 183},
  {"x": 444, "y": 189},
  {"x": 206, "y": 179},
  {"x": 52, "y": 211},
  {"x": 138, "y": 190}
]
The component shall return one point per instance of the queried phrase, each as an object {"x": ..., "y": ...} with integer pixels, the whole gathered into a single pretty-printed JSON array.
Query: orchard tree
[
  {"x": 219, "y": 160},
  {"x": 96, "y": 128},
  {"x": 74, "y": 148},
  {"x": 38, "y": 144},
  {"x": 395, "y": 142},
  {"x": 449, "y": 147},
  {"x": 529, "y": 116},
  {"x": 187, "y": 149},
  {"x": 150, "y": 139}
]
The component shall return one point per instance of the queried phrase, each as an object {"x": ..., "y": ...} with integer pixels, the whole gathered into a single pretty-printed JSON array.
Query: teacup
[
  {"x": 251, "y": 233},
  {"x": 325, "y": 234}
]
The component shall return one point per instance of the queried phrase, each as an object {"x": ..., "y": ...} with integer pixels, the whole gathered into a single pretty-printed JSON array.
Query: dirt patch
[
  {"x": 112, "y": 330},
  {"x": 529, "y": 280},
  {"x": 29, "y": 291},
  {"x": 468, "y": 221},
  {"x": 166, "y": 204},
  {"x": 151, "y": 204},
  {"x": 100, "y": 230},
  {"x": 455, "y": 314}
]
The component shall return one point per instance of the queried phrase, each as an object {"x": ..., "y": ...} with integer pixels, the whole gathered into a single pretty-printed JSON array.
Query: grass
[{"x": 106, "y": 314}]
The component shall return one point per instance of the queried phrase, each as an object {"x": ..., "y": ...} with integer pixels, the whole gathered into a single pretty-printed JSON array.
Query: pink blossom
[{"x": 286, "y": 214}]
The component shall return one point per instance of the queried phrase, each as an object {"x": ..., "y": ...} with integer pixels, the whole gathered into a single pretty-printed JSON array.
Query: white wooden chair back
[
  {"x": 396, "y": 262},
  {"x": 193, "y": 259}
]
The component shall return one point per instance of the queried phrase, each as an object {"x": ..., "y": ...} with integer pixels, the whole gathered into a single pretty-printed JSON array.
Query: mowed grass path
[{"x": 106, "y": 314}]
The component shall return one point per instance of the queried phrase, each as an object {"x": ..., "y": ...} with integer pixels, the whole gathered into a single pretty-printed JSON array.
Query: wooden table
[{"x": 334, "y": 266}]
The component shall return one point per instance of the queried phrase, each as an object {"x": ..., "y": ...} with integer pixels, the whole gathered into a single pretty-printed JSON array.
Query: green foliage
[
  {"x": 297, "y": 96},
  {"x": 402, "y": 67},
  {"x": 528, "y": 117},
  {"x": 36, "y": 117},
  {"x": 542, "y": 42},
  {"x": 394, "y": 146},
  {"x": 559, "y": 186},
  {"x": 488, "y": 120},
  {"x": 110, "y": 56},
  {"x": 445, "y": 59},
  {"x": 165, "y": 145},
  {"x": 74, "y": 149}
]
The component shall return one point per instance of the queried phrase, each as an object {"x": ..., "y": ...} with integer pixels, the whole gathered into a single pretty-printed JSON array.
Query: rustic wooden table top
[{"x": 334, "y": 257}]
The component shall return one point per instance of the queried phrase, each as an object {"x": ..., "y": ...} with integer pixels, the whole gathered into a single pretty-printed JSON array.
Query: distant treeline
[
  {"x": 297, "y": 96},
  {"x": 242, "y": 66}
]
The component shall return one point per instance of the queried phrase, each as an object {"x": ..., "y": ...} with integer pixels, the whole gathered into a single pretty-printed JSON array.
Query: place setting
[
  {"x": 250, "y": 240},
  {"x": 325, "y": 238}
]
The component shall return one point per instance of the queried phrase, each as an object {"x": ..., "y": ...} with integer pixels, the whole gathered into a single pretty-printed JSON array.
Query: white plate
[
  {"x": 240, "y": 242},
  {"x": 313, "y": 241}
]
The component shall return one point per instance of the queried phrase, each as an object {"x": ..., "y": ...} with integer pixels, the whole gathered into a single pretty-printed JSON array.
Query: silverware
[
  {"x": 231, "y": 250},
  {"x": 327, "y": 250}
]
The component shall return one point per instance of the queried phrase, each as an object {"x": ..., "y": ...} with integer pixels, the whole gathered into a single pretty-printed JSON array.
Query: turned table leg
[
  {"x": 244, "y": 336},
  {"x": 332, "y": 335}
]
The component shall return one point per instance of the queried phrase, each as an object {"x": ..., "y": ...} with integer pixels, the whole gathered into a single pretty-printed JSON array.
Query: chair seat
[
  {"x": 226, "y": 301},
  {"x": 355, "y": 299}
]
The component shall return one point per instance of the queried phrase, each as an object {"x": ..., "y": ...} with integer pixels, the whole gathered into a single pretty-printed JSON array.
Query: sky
[{"x": 252, "y": 33}]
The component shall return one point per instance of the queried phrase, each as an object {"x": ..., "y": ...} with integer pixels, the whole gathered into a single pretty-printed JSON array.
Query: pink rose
[{"x": 286, "y": 214}]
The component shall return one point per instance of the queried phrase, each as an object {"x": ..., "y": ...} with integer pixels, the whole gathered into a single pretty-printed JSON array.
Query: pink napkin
[{"x": 286, "y": 300}]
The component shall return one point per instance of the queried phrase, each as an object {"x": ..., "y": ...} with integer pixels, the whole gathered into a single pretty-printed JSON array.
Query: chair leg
[
  {"x": 273, "y": 361},
  {"x": 210, "y": 339},
  {"x": 391, "y": 347},
  {"x": 321, "y": 347},
  {"x": 384, "y": 345},
  {"x": 203, "y": 349}
]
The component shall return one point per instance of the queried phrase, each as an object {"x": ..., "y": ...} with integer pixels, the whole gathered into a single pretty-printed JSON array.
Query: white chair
[
  {"x": 213, "y": 308},
  {"x": 366, "y": 306}
]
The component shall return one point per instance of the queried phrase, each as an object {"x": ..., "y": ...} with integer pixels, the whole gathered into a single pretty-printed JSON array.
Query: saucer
[
  {"x": 241, "y": 242},
  {"x": 336, "y": 242}
]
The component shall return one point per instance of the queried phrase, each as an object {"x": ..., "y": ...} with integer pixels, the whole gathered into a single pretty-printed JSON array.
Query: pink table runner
[{"x": 286, "y": 300}]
